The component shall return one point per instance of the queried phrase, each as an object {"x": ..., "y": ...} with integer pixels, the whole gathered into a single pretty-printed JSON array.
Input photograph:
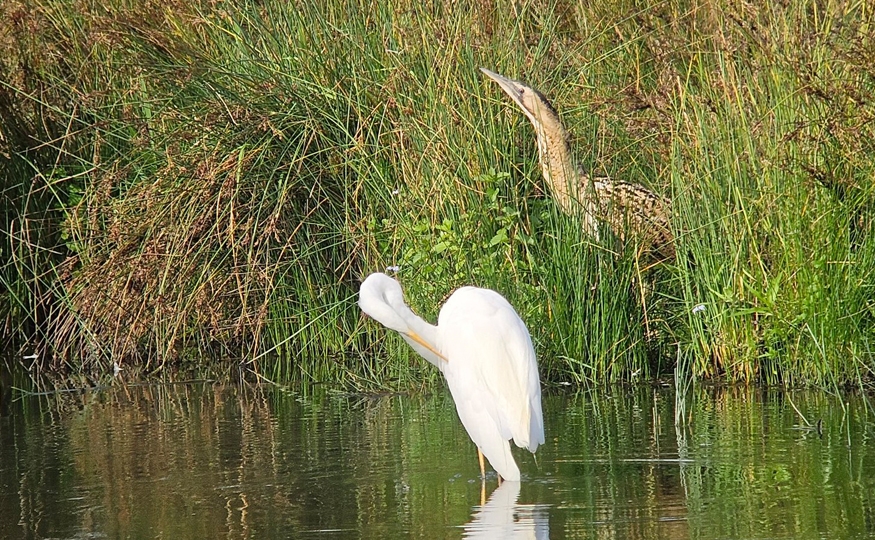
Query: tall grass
[
  {"x": 778, "y": 238},
  {"x": 198, "y": 179}
]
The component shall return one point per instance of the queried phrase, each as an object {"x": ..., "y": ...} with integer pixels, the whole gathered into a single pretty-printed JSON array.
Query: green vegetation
[{"x": 192, "y": 180}]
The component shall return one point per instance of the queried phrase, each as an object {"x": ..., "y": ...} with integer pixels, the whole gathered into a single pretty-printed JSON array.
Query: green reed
[{"x": 208, "y": 181}]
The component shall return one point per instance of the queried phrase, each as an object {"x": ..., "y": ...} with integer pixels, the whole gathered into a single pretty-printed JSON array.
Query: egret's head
[{"x": 381, "y": 297}]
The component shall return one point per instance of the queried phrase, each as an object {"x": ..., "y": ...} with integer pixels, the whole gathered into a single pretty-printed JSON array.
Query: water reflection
[
  {"x": 202, "y": 461},
  {"x": 501, "y": 517}
]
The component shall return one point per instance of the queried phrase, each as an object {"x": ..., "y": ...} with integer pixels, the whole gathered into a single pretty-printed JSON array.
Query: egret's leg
[{"x": 482, "y": 465}]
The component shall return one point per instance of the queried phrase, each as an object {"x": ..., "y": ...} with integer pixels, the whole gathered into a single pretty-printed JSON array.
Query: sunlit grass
[{"x": 215, "y": 181}]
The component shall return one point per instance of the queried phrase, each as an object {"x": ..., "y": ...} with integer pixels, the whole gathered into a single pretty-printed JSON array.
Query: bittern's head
[{"x": 533, "y": 103}]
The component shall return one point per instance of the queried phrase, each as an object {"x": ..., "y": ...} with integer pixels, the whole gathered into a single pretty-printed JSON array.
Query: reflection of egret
[
  {"x": 502, "y": 517},
  {"x": 484, "y": 350}
]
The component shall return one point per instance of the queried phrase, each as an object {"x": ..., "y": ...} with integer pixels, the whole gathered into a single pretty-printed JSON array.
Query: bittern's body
[{"x": 631, "y": 211}]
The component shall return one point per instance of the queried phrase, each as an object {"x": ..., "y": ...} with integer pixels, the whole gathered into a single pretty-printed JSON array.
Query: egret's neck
[
  {"x": 426, "y": 331},
  {"x": 424, "y": 338}
]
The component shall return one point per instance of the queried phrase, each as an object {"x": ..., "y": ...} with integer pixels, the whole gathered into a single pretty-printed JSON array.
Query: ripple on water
[{"x": 204, "y": 461}]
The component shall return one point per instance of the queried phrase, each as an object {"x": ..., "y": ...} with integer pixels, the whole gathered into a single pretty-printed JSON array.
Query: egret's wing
[
  {"x": 512, "y": 378},
  {"x": 479, "y": 422},
  {"x": 491, "y": 360}
]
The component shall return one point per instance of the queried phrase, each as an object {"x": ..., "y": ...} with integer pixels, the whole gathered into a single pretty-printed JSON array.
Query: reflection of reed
[
  {"x": 178, "y": 451},
  {"x": 154, "y": 456},
  {"x": 501, "y": 517},
  {"x": 202, "y": 461},
  {"x": 618, "y": 450}
]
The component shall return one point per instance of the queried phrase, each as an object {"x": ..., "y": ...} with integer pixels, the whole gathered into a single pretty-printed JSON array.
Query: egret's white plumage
[{"x": 483, "y": 349}]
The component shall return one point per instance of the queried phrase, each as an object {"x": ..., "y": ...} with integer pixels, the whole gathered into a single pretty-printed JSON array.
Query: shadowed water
[{"x": 207, "y": 461}]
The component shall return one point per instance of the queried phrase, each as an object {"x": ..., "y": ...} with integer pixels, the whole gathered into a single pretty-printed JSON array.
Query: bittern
[{"x": 630, "y": 210}]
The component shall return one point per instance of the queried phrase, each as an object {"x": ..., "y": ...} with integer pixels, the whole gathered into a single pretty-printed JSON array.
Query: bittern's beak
[{"x": 511, "y": 87}]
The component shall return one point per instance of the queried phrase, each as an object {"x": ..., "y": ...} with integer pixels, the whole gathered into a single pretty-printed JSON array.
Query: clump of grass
[
  {"x": 215, "y": 180},
  {"x": 201, "y": 214},
  {"x": 772, "y": 172}
]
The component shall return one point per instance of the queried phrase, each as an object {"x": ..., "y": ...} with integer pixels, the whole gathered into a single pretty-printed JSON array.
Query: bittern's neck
[
  {"x": 557, "y": 165},
  {"x": 568, "y": 186}
]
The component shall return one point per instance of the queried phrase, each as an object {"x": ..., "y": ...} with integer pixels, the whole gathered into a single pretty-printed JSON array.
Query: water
[{"x": 208, "y": 461}]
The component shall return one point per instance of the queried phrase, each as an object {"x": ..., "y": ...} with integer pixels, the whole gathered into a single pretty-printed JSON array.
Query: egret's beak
[{"x": 415, "y": 337}]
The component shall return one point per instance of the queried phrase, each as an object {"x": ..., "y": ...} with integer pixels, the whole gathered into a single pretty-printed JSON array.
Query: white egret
[{"x": 483, "y": 349}]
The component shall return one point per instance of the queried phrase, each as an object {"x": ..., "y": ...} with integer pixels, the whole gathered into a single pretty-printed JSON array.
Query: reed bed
[{"x": 190, "y": 183}]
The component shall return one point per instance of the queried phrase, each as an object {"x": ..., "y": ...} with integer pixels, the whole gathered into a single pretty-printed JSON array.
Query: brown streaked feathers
[{"x": 633, "y": 212}]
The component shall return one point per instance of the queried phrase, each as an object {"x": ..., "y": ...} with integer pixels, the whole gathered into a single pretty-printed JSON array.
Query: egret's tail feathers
[{"x": 502, "y": 461}]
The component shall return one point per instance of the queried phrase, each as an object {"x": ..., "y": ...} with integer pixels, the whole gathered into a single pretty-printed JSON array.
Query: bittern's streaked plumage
[{"x": 632, "y": 211}]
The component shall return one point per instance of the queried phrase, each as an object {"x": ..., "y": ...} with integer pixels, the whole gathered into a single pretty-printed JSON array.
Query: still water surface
[{"x": 210, "y": 461}]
